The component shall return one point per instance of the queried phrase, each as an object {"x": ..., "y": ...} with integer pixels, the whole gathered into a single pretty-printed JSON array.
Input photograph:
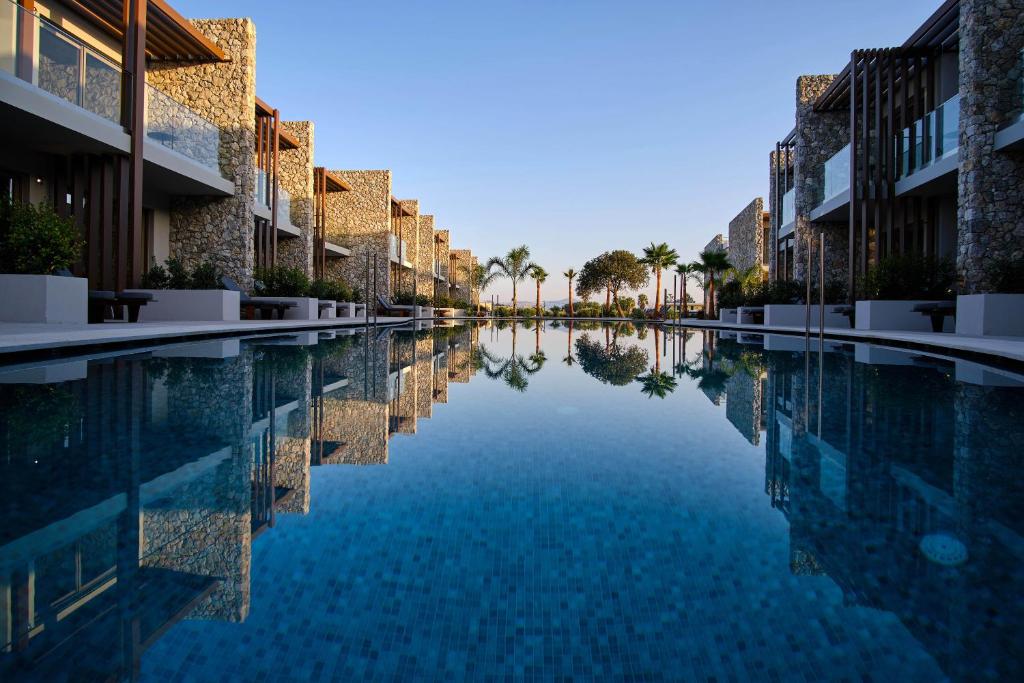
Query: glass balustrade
[
  {"x": 284, "y": 207},
  {"x": 262, "y": 188},
  {"x": 936, "y": 137},
  {"x": 174, "y": 125},
  {"x": 53, "y": 60},
  {"x": 393, "y": 247},
  {"x": 789, "y": 207},
  {"x": 837, "y": 175}
]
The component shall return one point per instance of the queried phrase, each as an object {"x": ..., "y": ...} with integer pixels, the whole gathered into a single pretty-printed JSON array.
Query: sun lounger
[
  {"x": 937, "y": 311},
  {"x": 263, "y": 304}
]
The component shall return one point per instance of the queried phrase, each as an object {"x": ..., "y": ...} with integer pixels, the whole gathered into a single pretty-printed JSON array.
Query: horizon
[{"x": 575, "y": 129}]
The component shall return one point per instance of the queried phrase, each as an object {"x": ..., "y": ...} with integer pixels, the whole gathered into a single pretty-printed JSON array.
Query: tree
[
  {"x": 612, "y": 272},
  {"x": 609, "y": 363},
  {"x": 480, "y": 279},
  {"x": 515, "y": 265},
  {"x": 658, "y": 257},
  {"x": 570, "y": 275},
  {"x": 712, "y": 263},
  {"x": 687, "y": 271},
  {"x": 641, "y": 302},
  {"x": 659, "y": 384},
  {"x": 539, "y": 276}
]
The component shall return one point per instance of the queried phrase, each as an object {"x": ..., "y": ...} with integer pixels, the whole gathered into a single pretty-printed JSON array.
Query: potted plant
[
  {"x": 784, "y": 304},
  {"x": 898, "y": 283},
  {"x": 188, "y": 294},
  {"x": 998, "y": 311},
  {"x": 35, "y": 243}
]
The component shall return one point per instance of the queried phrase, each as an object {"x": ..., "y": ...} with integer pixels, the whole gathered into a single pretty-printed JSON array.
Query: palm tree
[
  {"x": 687, "y": 271},
  {"x": 713, "y": 262},
  {"x": 570, "y": 275},
  {"x": 539, "y": 275},
  {"x": 659, "y": 384},
  {"x": 480, "y": 279},
  {"x": 515, "y": 265},
  {"x": 658, "y": 257}
]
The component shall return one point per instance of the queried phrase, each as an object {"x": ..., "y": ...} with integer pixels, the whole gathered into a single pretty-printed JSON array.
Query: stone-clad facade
[
  {"x": 424, "y": 377},
  {"x": 424, "y": 254},
  {"x": 443, "y": 245},
  {"x": 746, "y": 236},
  {"x": 218, "y": 228},
  {"x": 819, "y": 135},
  {"x": 463, "y": 260},
  {"x": 991, "y": 183},
  {"x": 774, "y": 211},
  {"x": 361, "y": 221},
  {"x": 295, "y": 170}
]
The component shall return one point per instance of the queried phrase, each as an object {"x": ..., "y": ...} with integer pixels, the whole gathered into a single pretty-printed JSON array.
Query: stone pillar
[
  {"x": 425, "y": 259},
  {"x": 295, "y": 169},
  {"x": 819, "y": 135},
  {"x": 224, "y": 93},
  {"x": 474, "y": 292},
  {"x": 991, "y": 183},
  {"x": 424, "y": 375},
  {"x": 773, "y": 210},
  {"x": 746, "y": 236},
  {"x": 361, "y": 221},
  {"x": 461, "y": 278},
  {"x": 292, "y": 442}
]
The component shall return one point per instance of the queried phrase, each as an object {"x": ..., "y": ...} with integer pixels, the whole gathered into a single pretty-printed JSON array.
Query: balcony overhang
[
  {"x": 335, "y": 184},
  {"x": 288, "y": 141},
  {"x": 336, "y": 250},
  {"x": 1011, "y": 138},
  {"x": 835, "y": 209},
  {"x": 938, "y": 177},
  {"x": 169, "y": 36}
]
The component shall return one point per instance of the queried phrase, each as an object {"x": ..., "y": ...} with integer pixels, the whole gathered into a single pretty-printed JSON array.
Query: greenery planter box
[
  {"x": 207, "y": 305},
  {"x": 990, "y": 314},
  {"x": 896, "y": 315},
  {"x": 50, "y": 299},
  {"x": 794, "y": 315},
  {"x": 748, "y": 315},
  {"x": 426, "y": 312},
  {"x": 727, "y": 315}
]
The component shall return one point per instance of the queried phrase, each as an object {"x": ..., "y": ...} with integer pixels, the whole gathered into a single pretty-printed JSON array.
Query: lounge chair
[
  {"x": 396, "y": 309},
  {"x": 348, "y": 309},
  {"x": 324, "y": 305},
  {"x": 263, "y": 304},
  {"x": 107, "y": 305},
  {"x": 937, "y": 311}
]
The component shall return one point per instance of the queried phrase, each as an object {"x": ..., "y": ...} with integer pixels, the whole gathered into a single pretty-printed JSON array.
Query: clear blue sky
[{"x": 572, "y": 127}]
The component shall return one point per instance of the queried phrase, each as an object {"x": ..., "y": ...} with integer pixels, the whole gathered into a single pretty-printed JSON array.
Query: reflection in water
[{"x": 134, "y": 486}]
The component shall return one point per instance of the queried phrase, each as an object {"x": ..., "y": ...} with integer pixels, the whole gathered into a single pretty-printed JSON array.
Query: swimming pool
[{"x": 585, "y": 501}]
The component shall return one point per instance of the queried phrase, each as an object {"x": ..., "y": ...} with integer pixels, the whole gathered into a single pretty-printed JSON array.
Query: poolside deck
[
  {"x": 23, "y": 338},
  {"x": 997, "y": 349}
]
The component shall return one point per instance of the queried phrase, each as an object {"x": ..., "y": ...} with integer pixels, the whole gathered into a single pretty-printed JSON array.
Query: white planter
[
  {"x": 896, "y": 315},
  {"x": 990, "y": 314},
  {"x": 305, "y": 309},
  {"x": 794, "y": 315},
  {"x": 426, "y": 312},
  {"x": 727, "y": 315},
  {"x": 745, "y": 315},
  {"x": 49, "y": 299},
  {"x": 217, "y": 305}
]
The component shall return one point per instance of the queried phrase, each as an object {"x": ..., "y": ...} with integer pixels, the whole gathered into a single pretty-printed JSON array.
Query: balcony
[
  {"x": 836, "y": 178},
  {"x": 1011, "y": 137},
  {"x": 942, "y": 127},
  {"x": 177, "y": 127},
  {"x": 398, "y": 251},
  {"x": 62, "y": 65},
  {"x": 788, "y": 212}
]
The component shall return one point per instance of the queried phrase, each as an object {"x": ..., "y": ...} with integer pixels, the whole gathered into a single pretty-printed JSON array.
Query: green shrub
[
  {"x": 330, "y": 290},
  {"x": 206, "y": 276},
  {"x": 730, "y": 294},
  {"x": 156, "y": 278},
  {"x": 1006, "y": 275},
  {"x": 281, "y": 281},
  {"x": 909, "y": 277},
  {"x": 176, "y": 276},
  {"x": 34, "y": 240}
]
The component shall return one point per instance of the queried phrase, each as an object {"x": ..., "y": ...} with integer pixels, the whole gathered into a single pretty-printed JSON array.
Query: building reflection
[
  {"x": 134, "y": 486},
  {"x": 899, "y": 484}
]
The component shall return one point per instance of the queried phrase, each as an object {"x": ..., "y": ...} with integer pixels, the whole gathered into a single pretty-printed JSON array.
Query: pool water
[{"x": 506, "y": 502}]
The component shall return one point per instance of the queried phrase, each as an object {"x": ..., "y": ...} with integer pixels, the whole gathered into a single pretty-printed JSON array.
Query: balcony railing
[
  {"x": 943, "y": 133},
  {"x": 263, "y": 190},
  {"x": 284, "y": 206},
  {"x": 398, "y": 250},
  {"x": 837, "y": 175},
  {"x": 174, "y": 125},
  {"x": 789, "y": 207},
  {"x": 61, "y": 64}
]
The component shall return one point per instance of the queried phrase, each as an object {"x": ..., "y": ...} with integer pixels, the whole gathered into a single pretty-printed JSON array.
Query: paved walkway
[
  {"x": 995, "y": 348},
  {"x": 35, "y": 337}
]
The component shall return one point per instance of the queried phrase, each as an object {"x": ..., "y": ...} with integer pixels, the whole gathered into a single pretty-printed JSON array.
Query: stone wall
[
  {"x": 474, "y": 293},
  {"x": 295, "y": 170},
  {"x": 462, "y": 264},
  {"x": 819, "y": 135},
  {"x": 424, "y": 255},
  {"x": 424, "y": 375},
  {"x": 361, "y": 221},
  {"x": 224, "y": 93},
  {"x": 775, "y": 212},
  {"x": 426, "y": 227},
  {"x": 743, "y": 405},
  {"x": 746, "y": 236},
  {"x": 991, "y": 183},
  {"x": 362, "y": 426}
]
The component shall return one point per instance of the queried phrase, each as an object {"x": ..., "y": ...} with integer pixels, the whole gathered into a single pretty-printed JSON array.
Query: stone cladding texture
[
  {"x": 819, "y": 135},
  {"x": 746, "y": 236},
  {"x": 361, "y": 221},
  {"x": 443, "y": 253},
  {"x": 991, "y": 183},
  {"x": 362, "y": 426},
  {"x": 218, "y": 228},
  {"x": 743, "y": 405},
  {"x": 295, "y": 170},
  {"x": 462, "y": 264},
  {"x": 424, "y": 376},
  {"x": 773, "y": 238}
]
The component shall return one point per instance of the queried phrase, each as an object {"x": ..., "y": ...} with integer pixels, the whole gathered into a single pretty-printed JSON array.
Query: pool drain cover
[{"x": 943, "y": 549}]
